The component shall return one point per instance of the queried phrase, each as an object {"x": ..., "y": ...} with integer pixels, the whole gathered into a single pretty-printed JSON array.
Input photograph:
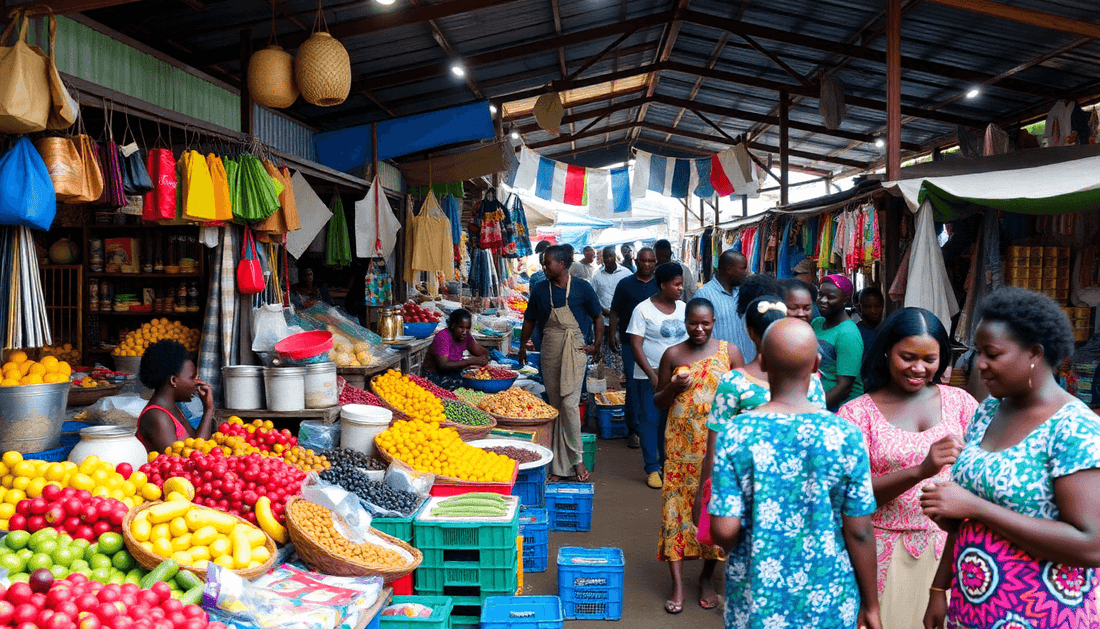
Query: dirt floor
[{"x": 627, "y": 515}]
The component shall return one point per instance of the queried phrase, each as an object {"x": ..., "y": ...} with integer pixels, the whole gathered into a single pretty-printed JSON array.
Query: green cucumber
[
  {"x": 192, "y": 596},
  {"x": 165, "y": 571},
  {"x": 187, "y": 580}
]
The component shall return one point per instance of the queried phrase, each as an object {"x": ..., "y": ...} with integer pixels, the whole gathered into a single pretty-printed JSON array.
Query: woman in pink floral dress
[{"x": 912, "y": 427}]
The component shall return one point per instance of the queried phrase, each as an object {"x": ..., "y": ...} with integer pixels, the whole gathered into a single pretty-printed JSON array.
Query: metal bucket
[{"x": 31, "y": 416}]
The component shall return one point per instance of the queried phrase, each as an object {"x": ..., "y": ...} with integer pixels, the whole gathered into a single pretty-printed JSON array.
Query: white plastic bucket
[
  {"x": 286, "y": 388},
  {"x": 360, "y": 424},
  {"x": 244, "y": 387},
  {"x": 321, "y": 385}
]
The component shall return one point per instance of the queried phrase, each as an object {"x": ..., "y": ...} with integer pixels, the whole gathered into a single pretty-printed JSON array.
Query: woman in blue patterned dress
[
  {"x": 792, "y": 504},
  {"x": 1023, "y": 511}
]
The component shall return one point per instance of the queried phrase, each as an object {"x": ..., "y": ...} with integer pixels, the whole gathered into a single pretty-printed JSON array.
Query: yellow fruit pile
[
  {"x": 21, "y": 370},
  {"x": 194, "y": 536},
  {"x": 65, "y": 352},
  {"x": 137, "y": 341},
  {"x": 408, "y": 397},
  {"x": 429, "y": 447},
  {"x": 21, "y": 479}
]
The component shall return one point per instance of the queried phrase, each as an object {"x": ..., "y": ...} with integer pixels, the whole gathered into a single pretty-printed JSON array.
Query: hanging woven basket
[
  {"x": 323, "y": 70},
  {"x": 271, "y": 79}
]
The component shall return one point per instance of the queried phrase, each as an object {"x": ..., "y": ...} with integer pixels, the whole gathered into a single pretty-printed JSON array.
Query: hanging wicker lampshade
[
  {"x": 323, "y": 70},
  {"x": 271, "y": 80}
]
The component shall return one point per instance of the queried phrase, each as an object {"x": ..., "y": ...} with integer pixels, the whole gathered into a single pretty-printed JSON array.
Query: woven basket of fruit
[
  {"x": 470, "y": 422},
  {"x": 325, "y": 550},
  {"x": 181, "y": 518},
  {"x": 83, "y": 396}
]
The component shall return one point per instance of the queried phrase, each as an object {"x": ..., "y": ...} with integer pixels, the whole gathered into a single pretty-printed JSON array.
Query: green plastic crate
[
  {"x": 467, "y": 535},
  {"x": 440, "y": 618},
  {"x": 465, "y": 622},
  {"x": 467, "y": 573},
  {"x": 401, "y": 528},
  {"x": 487, "y": 557},
  {"x": 588, "y": 440}
]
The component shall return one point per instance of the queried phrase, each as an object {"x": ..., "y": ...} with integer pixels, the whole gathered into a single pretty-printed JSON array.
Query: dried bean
[{"x": 520, "y": 455}]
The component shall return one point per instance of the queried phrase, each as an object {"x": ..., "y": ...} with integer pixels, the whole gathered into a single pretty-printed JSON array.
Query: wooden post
[
  {"x": 685, "y": 215},
  {"x": 937, "y": 154},
  {"x": 784, "y": 148},
  {"x": 373, "y": 150},
  {"x": 246, "y": 98},
  {"x": 744, "y": 205},
  {"x": 893, "y": 89}
]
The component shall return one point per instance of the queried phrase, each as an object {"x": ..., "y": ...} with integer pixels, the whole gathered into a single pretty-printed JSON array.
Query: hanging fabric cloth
[
  {"x": 376, "y": 226},
  {"x": 490, "y": 219},
  {"x": 519, "y": 223},
  {"x": 431, "y": 245},
  {"x": 453, "y": 209},
  {"x": 259, "y": 195},
  {"x": 219, "y": 182},
  {"x": 285, "y": 218},
  {"x": 337, "y": 243},
  {"x": 928, "y": 284}
]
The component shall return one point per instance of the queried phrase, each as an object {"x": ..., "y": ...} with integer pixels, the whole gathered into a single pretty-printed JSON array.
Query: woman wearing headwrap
[{"x": 839, "y": 342}]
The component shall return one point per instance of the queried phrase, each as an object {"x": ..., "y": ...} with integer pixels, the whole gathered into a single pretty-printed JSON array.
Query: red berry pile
[
  {"x": 432, "y": 388},
  {"x": 77, "y": 603},
  {"x": 73, "y": 511},
  {"x": 232, "y": 484},
  {"x": 355, "y": 395},
  {"x": 412, "y": 313}
]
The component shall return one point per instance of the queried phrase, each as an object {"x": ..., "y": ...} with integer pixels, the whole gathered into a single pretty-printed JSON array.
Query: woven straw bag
[{"x": 271, "y": 79}]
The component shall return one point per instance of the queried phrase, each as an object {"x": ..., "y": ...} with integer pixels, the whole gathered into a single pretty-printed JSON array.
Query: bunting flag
[
  {"x": 728, "y": 172},
  {"x": 569, "y": 184},
  {"x": 620, "y": 190}
]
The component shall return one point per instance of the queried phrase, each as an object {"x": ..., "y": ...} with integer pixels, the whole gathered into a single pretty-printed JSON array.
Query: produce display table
[
  {"x": 412, "y": 355},
  {"x": 359, "y": 376},
  {"x": 327, "y": 415}
]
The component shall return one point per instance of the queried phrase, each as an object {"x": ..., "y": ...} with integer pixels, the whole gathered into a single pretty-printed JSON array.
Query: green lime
[
  {"x": 46, "y": 533},
  {"x": 39, "y": 561},
  {"x": 91, "y": 551},
  {"x": 122, "y": 560},
  {"x": 45, "y": 546},
  {"x": 22, "y": 577},
  {"x": 64, "y": 540},
  {"x": 117, "y": 578},
  {"x": 78, "y": 565},
  {"x": 63, "y": 557},
  {"x": 4, "y": 550},
  {"x": 13, "y": 563},
  {"x": 79, "y": 545},
  {"x": 17, "y": 540},
  {"x": 110, "y": 543},
  {"x": 25, "y": 554},
  {"x": 59, "y": 572},
  {"x": 103, "y": 575},
  {"x": 134, "y": 576},
  {"x": 99, "y": 561},
  {"x": 84, "y": 570}
]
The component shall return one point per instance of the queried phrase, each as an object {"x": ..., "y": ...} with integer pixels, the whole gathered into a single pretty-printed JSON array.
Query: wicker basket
[
  {"x": 397, "y": 415},
  {"x": 466, "y": 431},
  {"x": 439, "y": 478},
  {"x": 323, "y": 70},
  {"x": 149, "y": 560},
  {"x": 320, "y": 559},
  {"x": 79, "y": 396},
  {"x": 271, "y": 79}
]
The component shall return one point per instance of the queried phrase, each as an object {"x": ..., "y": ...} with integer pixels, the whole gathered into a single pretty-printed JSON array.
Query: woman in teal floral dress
[{"x": 1023, "y": 512}]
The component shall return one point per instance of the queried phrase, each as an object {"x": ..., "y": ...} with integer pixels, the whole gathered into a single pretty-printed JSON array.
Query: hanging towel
[
  {"x": 374, "y": 223},
  {"x": 928, "y": 285}
]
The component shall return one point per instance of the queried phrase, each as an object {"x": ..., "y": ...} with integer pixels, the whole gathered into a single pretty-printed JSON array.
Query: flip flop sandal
[{"x": 673, "y": 608}]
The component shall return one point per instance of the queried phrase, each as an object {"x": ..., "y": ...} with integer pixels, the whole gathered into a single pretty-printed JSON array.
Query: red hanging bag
[
  {"x": 160, "y": 204},
  {"x": 250, "y": 277}
]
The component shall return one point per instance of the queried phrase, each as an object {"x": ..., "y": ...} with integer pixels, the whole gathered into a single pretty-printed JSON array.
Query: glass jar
[{"x": 114, "y": 444}]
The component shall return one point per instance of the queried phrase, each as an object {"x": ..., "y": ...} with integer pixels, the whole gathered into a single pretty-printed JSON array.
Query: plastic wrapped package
[{"x": 315, "y": 435}]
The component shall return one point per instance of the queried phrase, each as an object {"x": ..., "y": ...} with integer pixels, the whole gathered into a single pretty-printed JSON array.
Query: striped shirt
[{"x": 727, "y": 325}]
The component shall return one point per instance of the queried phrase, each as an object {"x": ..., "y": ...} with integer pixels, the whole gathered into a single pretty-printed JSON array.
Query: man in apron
[{"x": 564, "y": 309}]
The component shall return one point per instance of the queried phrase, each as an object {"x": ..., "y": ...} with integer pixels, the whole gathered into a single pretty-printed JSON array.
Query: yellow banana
[{"x": 266, "y": 519}]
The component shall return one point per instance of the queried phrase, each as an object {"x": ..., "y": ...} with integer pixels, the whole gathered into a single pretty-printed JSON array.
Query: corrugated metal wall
[
  {"x": 283, "y": 133},
  {"x": 95, "y": 57}
]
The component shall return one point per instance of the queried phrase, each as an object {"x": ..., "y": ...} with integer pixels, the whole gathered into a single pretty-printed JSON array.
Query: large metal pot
[{"x": 31, "y": 416}]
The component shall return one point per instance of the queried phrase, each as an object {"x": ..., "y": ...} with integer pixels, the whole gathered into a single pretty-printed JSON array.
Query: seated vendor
[
  {"x": 305, "y": 293},
  {"x": 167, "y": 369},
  {"x": 444, "y": 362}
]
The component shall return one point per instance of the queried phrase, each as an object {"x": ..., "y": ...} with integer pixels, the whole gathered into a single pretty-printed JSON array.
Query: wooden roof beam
[
  {"x": 663, "y": 54},
  {"x": 441, "y": 39},
  {"x": 715, "y": 55},
  {"x": 1021, "y": 15}
]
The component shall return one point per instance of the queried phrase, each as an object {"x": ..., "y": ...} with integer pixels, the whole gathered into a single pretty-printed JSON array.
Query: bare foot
[{"x": 582, "y": 472}]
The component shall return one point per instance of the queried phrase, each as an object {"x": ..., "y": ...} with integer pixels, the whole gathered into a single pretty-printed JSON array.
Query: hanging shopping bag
[
  {"x": 24, "y": 83},
  {"x": 26, "y": 192},
  {"x": 379, "y": 284},
  {"x": 64, "y": 109},
  {"x": 250, "y": 274},
  {"x": 198, "y": 187},
  {"x": 135, "y": 177},
  {"x": 258, "y": 194},
  {"x": 219, "y": 180},
  {"x": 63, "y": 164},
  {"x": 160, "y": 202},
  {"x": 337, "y": 241},
  {"x": 90, "y": 173},
  {"x": 113, "y": 193}
]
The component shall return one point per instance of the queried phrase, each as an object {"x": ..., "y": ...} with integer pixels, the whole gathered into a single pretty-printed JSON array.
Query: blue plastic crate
[
  {"x": 569, "y": 506},
  {"x": 536, "y": 539},
  {"x": 536, "y": 612},
  {"x": 56, "y": 455},
  {"x": 536, "y": 557},
  {"x": 590, "y": 583},
  {"x": 530, "y": 487},
  {"x": 611, "y": 421}
]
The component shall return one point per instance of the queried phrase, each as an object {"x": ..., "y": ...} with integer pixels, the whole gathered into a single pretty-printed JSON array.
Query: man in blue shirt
[
  {"x": 536, "y": 277},
  {"x": 630, "y": 292},
  {"x": 566, "y": 310},
  {"x": 722, "y": 291}
]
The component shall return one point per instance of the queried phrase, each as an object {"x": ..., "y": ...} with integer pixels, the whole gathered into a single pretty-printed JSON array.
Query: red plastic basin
[{"x": 305, "y": 345}]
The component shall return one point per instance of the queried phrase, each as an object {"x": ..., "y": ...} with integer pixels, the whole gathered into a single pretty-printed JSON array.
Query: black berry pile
[
  {"x": 352, "y": 458},
  {"x": 352, "y": 479}
]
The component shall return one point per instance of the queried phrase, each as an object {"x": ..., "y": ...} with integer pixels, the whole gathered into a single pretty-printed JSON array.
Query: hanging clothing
[
  {"x": 518, "y": 216},
  {"x": 453, "y": 209},
  {"x": 928, "y": 285},
  {"x": 375, "y": 224},
  {"x": 219, "y": 181},
  {"x": 195, "y": 187},
  {"x": 431, "y": 249},
  {"x": 285, "y": 218}
]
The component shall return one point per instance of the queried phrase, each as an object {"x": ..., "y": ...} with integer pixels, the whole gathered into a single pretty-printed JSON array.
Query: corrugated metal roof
[{"x": 947, "y": 51}]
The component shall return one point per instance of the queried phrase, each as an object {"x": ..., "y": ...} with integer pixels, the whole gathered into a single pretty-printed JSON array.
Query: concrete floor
[{"x": 627, "y": 515}]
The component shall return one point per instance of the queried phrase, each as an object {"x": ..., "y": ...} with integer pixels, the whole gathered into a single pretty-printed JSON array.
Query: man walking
[
  {"x": 722, "y": 291},
  {"x": 605, "y": 281},
  {"x": 663, "y": 249},
  {"x": 584, "y": 269},
  {"x": 631, "y": 291},
  {"x": 628, "y": 257},
  {"x": 566, "y": 310}
]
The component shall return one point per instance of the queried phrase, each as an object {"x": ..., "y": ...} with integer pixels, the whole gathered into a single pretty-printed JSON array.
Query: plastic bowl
[
  {"x": 305, "y": 345},
  {"x": 420, "y": 330},
  {"x": 488, "y": 386}
]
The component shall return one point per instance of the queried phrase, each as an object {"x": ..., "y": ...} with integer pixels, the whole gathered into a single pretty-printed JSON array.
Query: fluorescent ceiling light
[
  {"x": 515, "y": 135},
  {"x": 973, "y": 93},
  {"x": 492, "y": 109},
  {"x": 385, "y": 2},
  {"x": 458, "y": 70},
  {"x": 879, "y": 142}
]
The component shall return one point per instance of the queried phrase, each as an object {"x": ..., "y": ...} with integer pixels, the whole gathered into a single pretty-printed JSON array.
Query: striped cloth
[
  {"x": 220, "y": 344},
  {"x": 727, "y": 325}
]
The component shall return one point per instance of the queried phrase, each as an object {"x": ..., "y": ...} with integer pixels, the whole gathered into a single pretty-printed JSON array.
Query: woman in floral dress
[
  {"x": 686, "y": 379},
  {"x": 1023, "y": 512},
  {"x": 912, "y": 429}
]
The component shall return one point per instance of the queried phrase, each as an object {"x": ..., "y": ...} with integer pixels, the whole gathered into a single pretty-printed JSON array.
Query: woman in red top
[{"x": 167, "y": 369}]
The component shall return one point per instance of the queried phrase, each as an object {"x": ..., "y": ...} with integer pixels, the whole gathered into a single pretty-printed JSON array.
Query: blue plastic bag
[{"x": 26, "y": 191}]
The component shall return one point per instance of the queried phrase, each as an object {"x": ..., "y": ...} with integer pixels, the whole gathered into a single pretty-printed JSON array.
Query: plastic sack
[
  {"x": 268, "y": 327},
  {"x": 289, "y": 597},
  {"x": 315, "y": 435},
  {"x": 354, "y": 520},
  {"x": 26, "y": 192},
  {"x": 118, "y": 410}
]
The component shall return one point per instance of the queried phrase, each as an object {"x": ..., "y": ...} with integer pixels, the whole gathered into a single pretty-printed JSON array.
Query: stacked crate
[
  {"x": 467, "y": 559},
  {"x": 590, "y": 583},
  {"x": 1080, "y": 318},
  {"x": 536, "y": 539},
  {"x": 1045, "y": 269},
  {"x": 569, "y": 506}
]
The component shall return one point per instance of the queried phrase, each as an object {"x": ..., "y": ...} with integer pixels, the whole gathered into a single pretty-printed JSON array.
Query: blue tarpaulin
[{"x": 348, "y": 149}]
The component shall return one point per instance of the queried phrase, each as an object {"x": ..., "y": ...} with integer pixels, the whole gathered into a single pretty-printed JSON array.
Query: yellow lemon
[
  {"x": 31, "y": 379},
  {"x": 81, "y": 481},
  {"x": 150, "y": 492},
  {"x": 34, "y": 488},
  {"x": 18, "y": 356}
]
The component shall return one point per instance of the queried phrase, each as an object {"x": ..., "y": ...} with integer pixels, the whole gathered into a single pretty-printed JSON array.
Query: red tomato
[
  {"x": 24, "y": 613},
  {"x": 19, "y": 594},
  {"x": 163, "y": 592},
  {"x": 7, "y": 610}
]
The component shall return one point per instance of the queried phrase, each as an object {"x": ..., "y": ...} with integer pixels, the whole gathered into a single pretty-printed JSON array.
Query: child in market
[
  {"x": 792, "y": 501},
  {"x": 166, "y": 367}
]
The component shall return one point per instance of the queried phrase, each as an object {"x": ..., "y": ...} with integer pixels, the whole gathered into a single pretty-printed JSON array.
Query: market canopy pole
[
  {"x": 893, "y": 89},
  {"x": 784, "y": 145}
]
